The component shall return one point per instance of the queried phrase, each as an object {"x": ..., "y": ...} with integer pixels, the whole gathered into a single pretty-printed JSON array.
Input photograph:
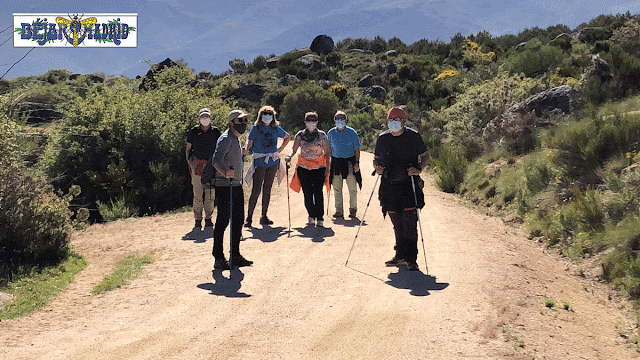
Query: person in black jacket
[
  {"x": 400, "y": 155},
  {"x": 201, "y": 144}
]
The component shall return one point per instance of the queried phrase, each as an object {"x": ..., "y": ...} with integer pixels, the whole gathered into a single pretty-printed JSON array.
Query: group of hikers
[{"x": 215, "y": 162}]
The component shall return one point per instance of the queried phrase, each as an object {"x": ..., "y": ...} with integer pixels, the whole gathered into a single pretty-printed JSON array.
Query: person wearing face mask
[
  {"x": 227, "y": 160},
  {"x": 345, "y": 163},
  {"x": 263, "y": 142},
  {"x": 201, "y": 143},
  {"x": 312, "y": 170},
  {"x": 400, "y": 155}
]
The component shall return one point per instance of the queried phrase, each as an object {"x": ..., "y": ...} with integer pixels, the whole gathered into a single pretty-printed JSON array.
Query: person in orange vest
[{"x": 312, "y": 170}]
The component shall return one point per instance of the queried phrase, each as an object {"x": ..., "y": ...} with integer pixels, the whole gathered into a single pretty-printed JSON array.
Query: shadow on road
[
  {"x": 316, "y": 234},
  {"x": 223, "y": 286},
  {"x": 351, "y": 222},
  {"x": 198, "y": 235},
  {"x": 418, "y": 282},
  {"x": 267, "y": 233}
]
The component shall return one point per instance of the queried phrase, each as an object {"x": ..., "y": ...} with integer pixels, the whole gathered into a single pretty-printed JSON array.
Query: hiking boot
[
  {"x": 240, "y": 261},
  {"x": 319, "y": 223},
  {"x": 198, "y": 224},
  {"x": 311, "y": 221},
  {"x": 412, "y": 266},
  {"x": 265, "y": 221},
  {"x": 221, "y": 264},
  {"x": 338, "y": 215},
  {"x": 396, "y": 261},
  {"x": 352, "y": 213},
  {"x": 208, "y": 223}
]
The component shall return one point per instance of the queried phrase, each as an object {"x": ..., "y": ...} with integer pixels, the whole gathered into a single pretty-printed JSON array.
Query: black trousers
[
  {"x": 311, "y": 182},
  {"x": 222, "y": 220},
  {"x": 405, "y": 227},
  {"x": 262, "y": 179}
]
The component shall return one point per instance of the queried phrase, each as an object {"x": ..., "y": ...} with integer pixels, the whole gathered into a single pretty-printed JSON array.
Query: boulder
[
  {"x": 148, "y": 81},
  {"x": 391, "y": 53},
  {"x": 93, "y": 77},
  {"x": 272, "y": 63},
  {"x": 311, "y": 62},
  {"x": 357, "y": 51},
  {"x": 400, "y": 96},
  {"x": 322, "y": 44},
  {"x": 251, "y": 92},
  {"x": 391, "y": 68},
  {"x": 204, "y": 75},
  {"x": 515, "y": 126},
  {"x": 376, "y": 91},
  {"x": 41, "y": 116},
  {"x": 366, "y": 81},
  {"x": 599, "y": 68},
  {"x": 325, "y": 84},
  {"x": 589, "y": 34},
  {"x": 288, "y": 79}
]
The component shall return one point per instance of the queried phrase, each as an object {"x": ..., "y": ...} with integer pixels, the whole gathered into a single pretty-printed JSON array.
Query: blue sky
[{"x": 207, "y": 34}]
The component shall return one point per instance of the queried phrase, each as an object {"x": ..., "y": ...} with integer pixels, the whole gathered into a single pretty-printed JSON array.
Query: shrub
[
  {"x": 259, "y": 63},
  {"x": 339, "y": 90},
  {"x": 116, "y": 210},
  {"x": 308, "y": 97},
  {"x": 450, "y": 166},
  {"x": 535, "y": 60}
]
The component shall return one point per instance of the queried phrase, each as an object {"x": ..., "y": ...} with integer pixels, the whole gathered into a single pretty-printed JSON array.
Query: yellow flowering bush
[
  {"x": 473, "y": 53},
  {"x": 447, "y": 74}
]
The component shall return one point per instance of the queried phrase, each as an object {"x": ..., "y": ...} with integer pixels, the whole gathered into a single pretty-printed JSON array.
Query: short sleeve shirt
[
  {"x": 343, "y": 143},
  {"x": 398, "y": 153},
  {"x": 203, "y": 143},
  {"x": 265, "y": 141},
  {"x": 311, "y": 150}
]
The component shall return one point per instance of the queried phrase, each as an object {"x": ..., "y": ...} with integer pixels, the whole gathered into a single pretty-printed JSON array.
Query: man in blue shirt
[{"x": 345, "y": 163}]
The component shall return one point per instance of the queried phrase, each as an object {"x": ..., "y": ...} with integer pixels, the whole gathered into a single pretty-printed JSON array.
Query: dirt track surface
[{"x": 483, "y": 296}]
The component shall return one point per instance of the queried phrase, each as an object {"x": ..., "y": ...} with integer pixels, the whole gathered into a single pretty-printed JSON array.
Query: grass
[
  {"x": 123, "y": 273},
  {"x": 34, "y": 291},
  {"x": 549, "y": 302}
]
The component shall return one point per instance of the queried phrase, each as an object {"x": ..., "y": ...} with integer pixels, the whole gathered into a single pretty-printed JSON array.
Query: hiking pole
[
  {"x": 288, "y": 202},
  {"x": 362, "y": 221},
  {"x": 415, "y": 197},
  {"x": 231, "y": 221}
]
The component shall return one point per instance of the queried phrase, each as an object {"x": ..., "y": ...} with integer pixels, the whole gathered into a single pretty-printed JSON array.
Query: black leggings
[
  {"x": 405, "y": 227},
  {"x": 262, "y": 178},
  {"x": 311, "y": 182},
  {"x": 222, "y": 220}
]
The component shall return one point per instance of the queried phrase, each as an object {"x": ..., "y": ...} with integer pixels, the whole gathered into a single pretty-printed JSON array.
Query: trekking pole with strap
[
  {"x": 363, "y": 215},
  {"x": 415, "y": 198},
  {"x": 231, "y": 221},
  {"x": 288, "y": 202}
]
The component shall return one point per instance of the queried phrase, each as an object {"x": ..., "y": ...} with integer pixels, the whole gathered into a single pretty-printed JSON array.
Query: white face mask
[
  {"x": 267, "y": 119},
  {"x": 340, "y": 124},
  {"x": 394, "y": 125},
  {"x": 311, "y": 125},
  {"x": 205, "y": 121}
]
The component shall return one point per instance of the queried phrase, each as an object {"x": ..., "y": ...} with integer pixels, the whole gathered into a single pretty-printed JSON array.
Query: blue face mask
[
  {"x": 340, "y": 124},
  {"x": 394, "y": 125},
  {"x": 267, "y": 119}
]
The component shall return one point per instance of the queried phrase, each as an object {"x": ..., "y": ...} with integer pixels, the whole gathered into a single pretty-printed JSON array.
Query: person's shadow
[
  {"x": 198, "y": 235},
  {"x": 267, "y": 233},
  {"x": 350, "y": 222},
  {"x": 223, "y": 286},
  {"x": 316, "y": 234},
  {"x": 418, "y": 282}
]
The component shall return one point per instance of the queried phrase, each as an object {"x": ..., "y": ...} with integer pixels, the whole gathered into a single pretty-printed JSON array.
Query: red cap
[{"x": 396, "y": 112}]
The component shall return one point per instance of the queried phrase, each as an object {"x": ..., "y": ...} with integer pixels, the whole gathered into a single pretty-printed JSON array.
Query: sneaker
[
  {"x": 221, "y": 264},
  {"x": 311, "y": 221},
  {"x": 338, "y": 215},
  {"x": 198, "y": 224},
  {"x": 396, "y": 261},
  {"x": 265, "y": 221},
  {"x": 412, "y": 266},
  {"x": 319, "y": 223},
  {"x": 208, "y": 223},
  {"x": 240, "y": 261},
  {"x": 352, "y": 213}
]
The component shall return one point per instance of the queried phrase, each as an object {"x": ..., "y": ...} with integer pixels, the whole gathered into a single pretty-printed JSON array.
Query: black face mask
[{"x": 240, "y": 128}]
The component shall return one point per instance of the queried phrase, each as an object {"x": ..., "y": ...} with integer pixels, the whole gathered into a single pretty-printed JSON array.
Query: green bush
[
  {"x": 535, "y": 60},
  {"x": 124, "y": 143},
  {"x": 116, "y": 210},
  {"x": 450, "y": 165},
  {"x": 308, "y": 97}
]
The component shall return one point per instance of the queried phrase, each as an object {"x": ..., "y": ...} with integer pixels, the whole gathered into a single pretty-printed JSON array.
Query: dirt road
[{"x": 483, "y": 297}]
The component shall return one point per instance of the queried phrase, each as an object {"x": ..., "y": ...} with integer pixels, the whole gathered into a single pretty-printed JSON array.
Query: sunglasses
[
  {"x": 396, "y": 118},
  {"x": 243, "y": 120},
  {"x": 311, "y": 119},
  {"x": 340, "y": 118},
  {"x": 267, "y": 113}
]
